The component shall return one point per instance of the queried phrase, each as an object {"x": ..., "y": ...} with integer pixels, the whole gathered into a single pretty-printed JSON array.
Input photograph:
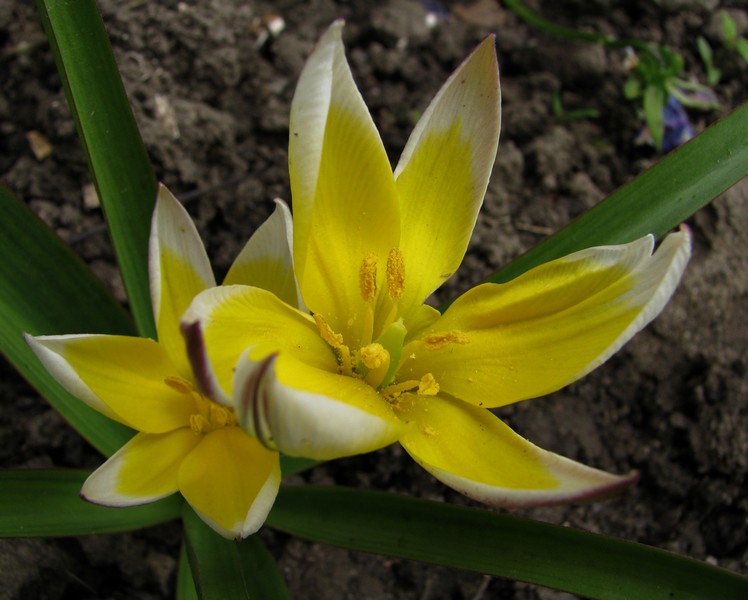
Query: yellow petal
[
  {"x": 475, "y": 453},
  {"x": 443, "y": 173},
  {"x": 499, "y": 344},
  {"x": 179, "y": 270},
  {"x": 266, "y": 260},
  {"x": 143, "y": 470},
  {"x": 121, "y": 377},
  {"x": 304, "y": 411},
  {"x": 223, "y": 322},
  {"x": 344, "y": 201},
  {"x": 231, "y": 481}
]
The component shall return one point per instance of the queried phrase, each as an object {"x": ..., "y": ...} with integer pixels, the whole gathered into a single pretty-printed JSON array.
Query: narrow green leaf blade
[
  {"x": 658, "y": 200},
  {"x": 111, "y": 141},
  {"x": 48, "y": 503},
  {"x": 566, "y": 559},
  {"x": 185, "y": 582},
  {"x": 47, "y": 290},
  {"x": 230, "y": 569}
]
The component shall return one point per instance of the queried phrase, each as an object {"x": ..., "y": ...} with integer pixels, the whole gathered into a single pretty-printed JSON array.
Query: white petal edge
[
  {"x": 441, "y": 108},
  {"x": 99, "y": 487},
  {"x": 325, "y": 80},
  {"x": 299, "y": 423},
  {"x": 309, "y": 109},
  {"x": 48, "y": 349},
  {"x": 173, "y": 228},
  {"x": 273, "y": 240},
  {"x": 577, "y": 483},
  {"x": 658, "y": 275},
  {"x": 257, "y": 514}
]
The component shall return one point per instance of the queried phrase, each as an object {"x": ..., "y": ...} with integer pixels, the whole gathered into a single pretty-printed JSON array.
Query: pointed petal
[
  {"x": 443, "y": 173},
  {"x": 344, "y": 201},
  {"x": 304, "y": 411},
  {"x": 121, "y": 377},
  {"x": 550, "y": 326},
  {"x": 231, "y": 481},
  {"x": 143, "y": 470},
  {"x": 223, "y": 322},
  {"x": 475, "y": 453},
  {"x": 179, "y": 270},
  {"x": 266, "y": 261}
]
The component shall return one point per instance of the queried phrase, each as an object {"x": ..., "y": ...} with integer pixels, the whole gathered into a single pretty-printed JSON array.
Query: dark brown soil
[{"x": 212, "y": 101}]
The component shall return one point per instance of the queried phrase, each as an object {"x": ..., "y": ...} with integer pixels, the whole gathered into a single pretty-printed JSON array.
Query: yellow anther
[
  {"x": 343, "y": 357},
  {"x": 197, "y": 423},
  {"x": 428, "y": 386},
  {"x": 180, "y": 385},
  {"x": 367, "y": 277},
  {"x": 437, "y": 341},
  {"x": 374, "y": 355},
  {"x": 220, "y": 416},
  {"x": 395, "y": 274},
  {"x": 334, "y": 339}
]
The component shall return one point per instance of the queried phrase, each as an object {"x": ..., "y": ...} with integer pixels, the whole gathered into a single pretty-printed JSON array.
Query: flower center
[
  {"x": 208, "y": 415},
  {"x": 376, "y": 360}
]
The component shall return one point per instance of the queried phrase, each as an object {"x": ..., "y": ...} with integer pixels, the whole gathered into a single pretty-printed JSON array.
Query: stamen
[
  {"x": 367, "y": 277},
  {"x": 393, "y": 391},
  {"x": 367, "y": 330},
  {"x": 343, "y": 357},
  {"x": 395, "y": 274},
  {"x": 179, "y": 384},
  {"x": 334, "y": 339},
  {"x": 341, "y": 351},
  {"x": 220, "y": 416},
  {"x": 197, "y": 423},
  {"x": 374, "y": 355},
  {"x": 437, "y": 341},
  {"x": 375, "y": 358},
  {"x": 428, "y": 386}
]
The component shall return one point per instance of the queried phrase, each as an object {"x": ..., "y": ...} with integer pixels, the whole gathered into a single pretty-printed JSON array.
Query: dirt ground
[{"x": 211, "y": 87}]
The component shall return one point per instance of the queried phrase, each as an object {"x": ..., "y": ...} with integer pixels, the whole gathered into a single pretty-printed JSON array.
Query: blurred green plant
[
  {"x": 730, "y": 33},
  {"x": 564, "y": 116},
  {"x": 31, "y": 502},
  {"x": 731, "y": 42},
  {"x": 654, "y": 72}
]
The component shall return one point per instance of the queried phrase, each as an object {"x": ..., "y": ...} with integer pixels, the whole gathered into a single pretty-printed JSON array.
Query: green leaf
[
  {"x": 713, "y": 74},
  {"x": 729, "y": 30},
  {"x": 47, "y": 290},
  {"x": 230, "y": 569},
  {"x": 185, "y": 583},
  {"x": 566, "y": 559},
  {"x": 653, "y": 103},
  {"x": 742, "y": 47},
  {"x": 48, "y": 503},
  {"x": 656, "y": 201},
  {"x": 106, "y": 127},
  {"x": 632, "y": 88}
]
